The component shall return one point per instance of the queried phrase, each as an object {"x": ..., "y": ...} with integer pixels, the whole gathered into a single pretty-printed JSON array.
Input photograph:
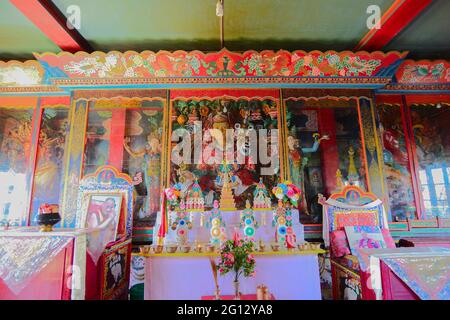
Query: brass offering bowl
[
  {"x": 262, "y": 247},
  {"x": 185, "y": 248},
  {"x": 210, "y": 248},
  {"x": 158, "y": 249},
  {"x": 275, "y": 246},
  {"x": 145, "y": 249},
  {"x": 315, "y": 245},
  {"x": 172, "y": 248}
]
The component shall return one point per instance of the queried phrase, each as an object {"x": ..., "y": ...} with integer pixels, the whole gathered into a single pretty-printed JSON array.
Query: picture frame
[{"x": 103, "y": 210}]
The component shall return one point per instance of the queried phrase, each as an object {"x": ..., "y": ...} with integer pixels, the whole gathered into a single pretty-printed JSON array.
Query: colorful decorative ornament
[
  {"x": 216, "y": 226},
  {"x": 248, "y": 223},
  {"x": 194, "y": 199},
  {"x": 227, "y": 179},
  {"x": 182, "y": 224},
  {"x": 282, "y": 221},
  {"x": 287, "y": 192},
  {"x": 261, "y": 198}
]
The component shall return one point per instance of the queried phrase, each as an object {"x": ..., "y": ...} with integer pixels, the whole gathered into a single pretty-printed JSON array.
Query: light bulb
[{"x": 219, "y": 8}]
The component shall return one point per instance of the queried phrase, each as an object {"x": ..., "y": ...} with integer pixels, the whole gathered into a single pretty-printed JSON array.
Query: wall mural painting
[
  {"x": 130, "y": 139},
  {"x": 143, "y": 159},
  {"x": 203, "y": 116},
  {"x": 306, "y": 157},
  {"x": 96, "y": 152},
  {"x": 15, "y": 142},
  {"x": 50, "y": 156},
  {"x": 396, "y": 163},
  {"x": 432, "y": 137},
  {"x": 348, "y": 140}
]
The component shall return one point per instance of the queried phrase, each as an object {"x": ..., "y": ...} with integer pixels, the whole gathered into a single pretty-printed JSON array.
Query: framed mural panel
[
  {"x": 397, "y": 162},
  {"x": 127, "y": 133},
  {"x": 324, "y": 147},
  {"x": 240, "y": 131},
  {"x": 16, "y": 128},
  {"x": 431, "y": 134},
  {"x": 51, "y": 151}
]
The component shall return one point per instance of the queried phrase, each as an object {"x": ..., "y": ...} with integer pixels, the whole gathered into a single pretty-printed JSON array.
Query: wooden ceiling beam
[
  {"x": 393, "y": 21},
  {"x": 53, "y": 23}
]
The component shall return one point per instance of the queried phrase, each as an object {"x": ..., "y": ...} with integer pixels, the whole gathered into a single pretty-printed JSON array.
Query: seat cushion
[{"x": 339, "y": 244}]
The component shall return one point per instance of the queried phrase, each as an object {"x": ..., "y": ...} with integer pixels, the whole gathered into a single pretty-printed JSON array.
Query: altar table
[
  {"x": 231, "y": 297},
  {"x": 288, "y": 276},
  {"x": 405, "y": 273},
  {"x": 65, "y": 264}
]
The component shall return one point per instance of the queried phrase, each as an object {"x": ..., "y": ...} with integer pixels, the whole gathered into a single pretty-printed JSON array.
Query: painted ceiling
[{"x": 255, "y": 24}]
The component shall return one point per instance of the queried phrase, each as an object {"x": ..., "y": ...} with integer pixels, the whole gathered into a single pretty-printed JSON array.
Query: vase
[{"x": 237, "y": 294}]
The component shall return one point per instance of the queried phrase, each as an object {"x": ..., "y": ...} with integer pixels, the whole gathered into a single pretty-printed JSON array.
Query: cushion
[
  {"x": 364, "y": 237},
  {"x": 344, "y": 218},
  {"x": 339, "y": 244},
  {"x": 390, "y": 243}
]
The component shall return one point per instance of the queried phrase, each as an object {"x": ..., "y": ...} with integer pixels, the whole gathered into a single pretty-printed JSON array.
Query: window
[{"x": 432, "y": 146}]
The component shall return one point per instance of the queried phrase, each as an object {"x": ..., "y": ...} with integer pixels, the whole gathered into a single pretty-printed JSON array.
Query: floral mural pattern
[{"x": 221, "y": 64}]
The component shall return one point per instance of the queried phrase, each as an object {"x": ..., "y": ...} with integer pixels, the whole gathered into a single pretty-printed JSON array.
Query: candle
[{"x": 259, "y": 293}]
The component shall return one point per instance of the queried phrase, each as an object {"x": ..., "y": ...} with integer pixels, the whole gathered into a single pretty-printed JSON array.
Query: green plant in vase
[{"x": 236, "y": 256}]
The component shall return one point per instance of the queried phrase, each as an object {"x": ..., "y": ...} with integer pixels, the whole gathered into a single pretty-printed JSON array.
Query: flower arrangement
[
  {"x": 236, "y": 256},
  {"x": 287, "y": 192},
  {"x": 173, "y": 194}
]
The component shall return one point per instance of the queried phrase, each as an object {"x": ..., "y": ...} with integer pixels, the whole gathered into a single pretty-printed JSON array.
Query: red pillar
[
  {"x": 329, "y": 151},
  {"x": 117, "y": 136}
]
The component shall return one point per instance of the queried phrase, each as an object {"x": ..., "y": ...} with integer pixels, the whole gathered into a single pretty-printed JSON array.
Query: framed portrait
[
  {"x": 116, "y": 270},
  {"x": 104, "y": 211}
]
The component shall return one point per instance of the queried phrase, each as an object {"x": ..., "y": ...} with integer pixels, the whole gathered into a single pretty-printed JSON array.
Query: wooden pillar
[
  {"x": 329, "y": 154},
  {"x": 372, "y": 149},
  {"x": 73, "y": 162}
]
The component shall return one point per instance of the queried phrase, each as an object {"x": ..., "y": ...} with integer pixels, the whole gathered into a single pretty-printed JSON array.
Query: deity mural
[
  {"x": 396, "y": 164},
  {"x": 151, "y": 167},
  {"x": 50, "y": 157},
  {"x": 211, "y": 119},
  {"x": 135, "y": 134},
  {"x": 308, "y": 157},
  {"x": 298, "y": 161},
  {"x": 15, "y": 141}
]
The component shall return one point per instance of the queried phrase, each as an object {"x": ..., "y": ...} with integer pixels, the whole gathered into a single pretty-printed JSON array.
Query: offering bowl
[
  {"x": 185, "y": 248},
  {"x": 158, "y": 248},
  {"x": 48, "y": 220},
  {"x": 145, "y": 249},
  {"x": 275, "y": 246},
  {"x": 172, "y": 248}
]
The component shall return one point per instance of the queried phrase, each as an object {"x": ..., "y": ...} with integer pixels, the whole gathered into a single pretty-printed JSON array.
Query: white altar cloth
[
  {"x": 288, "y": 277},
  {"x": 18, "y": 273}
]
